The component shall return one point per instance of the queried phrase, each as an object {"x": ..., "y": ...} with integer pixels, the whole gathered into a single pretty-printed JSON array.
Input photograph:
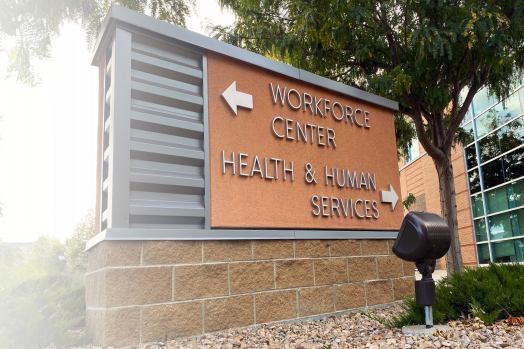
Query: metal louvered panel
[
  {"x": 114, "y": 165},
  {"x": 166, "y": 174}
]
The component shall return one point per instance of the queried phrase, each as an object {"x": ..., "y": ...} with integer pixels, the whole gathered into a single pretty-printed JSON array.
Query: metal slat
[
  {"x": 167, "y": 111},
  {"x": 166, "y": 51},
  {"x": 196, "y": 101},
  {"x": 162, "y": 166},
  {"x": 166, "y": 83},
  {"x": 168, "y": 174},
  {"x": 146, "y": 195},
  {"x": 197, "y": 144},
  {"x": 181, "y": 69},
  {"x": 107, "y": 152},
  {"x": 166, "y": 211},
  {"x": 173, "y": 151},
  {"x": 165, "y": 226},
  {"x": 107, "y": 124},
  {"x": 166, "y": 222},
  {"x": 108, "y": 68},
  {"x": 165, "y": 204},
  {"x": 161, "y": 120},
  {"x": 166, "y": 180}
]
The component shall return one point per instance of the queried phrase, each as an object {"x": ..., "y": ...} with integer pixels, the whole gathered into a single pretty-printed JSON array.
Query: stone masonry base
[{"x": 146, "y": 291}]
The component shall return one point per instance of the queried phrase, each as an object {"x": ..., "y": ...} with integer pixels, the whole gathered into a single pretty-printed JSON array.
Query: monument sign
[{"x": 233, "y": 190}]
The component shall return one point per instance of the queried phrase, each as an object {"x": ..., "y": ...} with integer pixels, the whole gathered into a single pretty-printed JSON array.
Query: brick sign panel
[{"x": 341, "y": 150}]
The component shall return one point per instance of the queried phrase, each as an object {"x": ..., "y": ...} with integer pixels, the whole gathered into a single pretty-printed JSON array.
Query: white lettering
[
  {"x": 332, "y": 176},
  {"x": 299, "y": 100},
  {"x": 341, "y": 111},
  {"x": 349, "y": 114},
  {"x": 225, "y": 162},
  {"x": 324, "y": 206},
  {"x": 288, "y": 170},
  {"x": 256, "y": 164},
  {"x": 273, "y": 126},
  {"x": 356, "y": 212},
  {"x": 288, "y": 128},
  {"x": 317, "y": 109},
  {"x": 351, "y": 181},
  {"x": 277, "y": 93},
  {"x": 308, "y": 103},
  {"x": 241, "y": 164},
  {"x": 355, "y": 117},
  {"x": 326, "y": 108},
  {"x": 333, "y": 207},
  {"x": 265, "y": 170},
  {"x": 375, "y": 209},
  {"x": 302, "y": 132},
  {"x": 313, "y": 199}
]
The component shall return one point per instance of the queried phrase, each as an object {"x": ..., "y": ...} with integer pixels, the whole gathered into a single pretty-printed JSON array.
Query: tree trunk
[{"x": 448, "y": 207}]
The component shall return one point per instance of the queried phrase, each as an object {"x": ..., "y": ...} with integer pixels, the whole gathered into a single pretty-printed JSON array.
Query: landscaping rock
[{"x": 355, "y": 330}]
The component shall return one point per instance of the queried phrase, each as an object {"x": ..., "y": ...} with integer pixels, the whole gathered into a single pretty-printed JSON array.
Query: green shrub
[
  {"x": 477, "y": 311},
  {"x": 481, "y": 292},
  {"x": 39, "y": 312}
]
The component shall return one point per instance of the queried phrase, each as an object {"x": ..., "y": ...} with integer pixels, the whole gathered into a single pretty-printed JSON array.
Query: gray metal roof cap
[{"x": 140, "y": 20}]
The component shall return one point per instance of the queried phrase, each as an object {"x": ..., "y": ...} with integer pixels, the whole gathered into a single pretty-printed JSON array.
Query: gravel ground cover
[{"x": 354, "y": 330}]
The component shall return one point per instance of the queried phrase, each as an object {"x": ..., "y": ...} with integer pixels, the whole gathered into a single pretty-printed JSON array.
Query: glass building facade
[{"x": 494, "y": 154}]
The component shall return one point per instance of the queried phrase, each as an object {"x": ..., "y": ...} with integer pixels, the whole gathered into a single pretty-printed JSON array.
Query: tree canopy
[
  {"x": 33, "y": 23},
  {"x": 75, "y": 246},
  {"x": 432, "y": 56}
]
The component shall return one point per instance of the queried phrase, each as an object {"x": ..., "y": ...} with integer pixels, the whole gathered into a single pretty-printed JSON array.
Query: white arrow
[
  {"x": 237, "y": 99},
  {"x": 389, "y": 197}
]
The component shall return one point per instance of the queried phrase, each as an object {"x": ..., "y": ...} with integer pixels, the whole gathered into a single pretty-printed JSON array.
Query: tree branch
[
  {"x": 455, "y": 123},
  {"x": 432, "y": 151}
]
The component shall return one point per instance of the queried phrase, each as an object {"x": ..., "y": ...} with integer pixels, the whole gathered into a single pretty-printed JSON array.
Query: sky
[{"x": 48, "y": 136}]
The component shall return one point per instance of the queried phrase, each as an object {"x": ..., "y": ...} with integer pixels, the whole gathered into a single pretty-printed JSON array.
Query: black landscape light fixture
[{"x": 423, "y": 238}]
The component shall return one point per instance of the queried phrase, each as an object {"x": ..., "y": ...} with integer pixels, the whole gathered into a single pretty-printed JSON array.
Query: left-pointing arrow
[
  {"x": 389, "y": 197},
  {"x": 237, "y": 99}
]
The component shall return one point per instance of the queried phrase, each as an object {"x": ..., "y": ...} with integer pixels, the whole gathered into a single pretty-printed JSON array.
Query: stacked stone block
[{"x": 146, "y": 291}]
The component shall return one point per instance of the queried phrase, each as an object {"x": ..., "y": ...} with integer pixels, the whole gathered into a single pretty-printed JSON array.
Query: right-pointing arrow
[{"x": 389, "y": 197}]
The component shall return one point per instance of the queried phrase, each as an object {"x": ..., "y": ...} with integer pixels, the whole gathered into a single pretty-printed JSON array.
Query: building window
[
  {"x": 497, "y": 200},
  {"x": 478, "y": 205},
  {"x": 468, "y": 129},
  {"x": 474, "y": 181},
  {"x": 480, "y": 229},
  {"x": 500, "y": 226},
  {"x": 494, "y": 158},
  {"x": 498, "y": 115},
  {"x": 514, "y": 165},
  {"x": 413, "y": 151},
  {"x": 483, "y": 253},
  {"x": 493, "y": 173},
  {"x": 508, "y": 251},
  {"x": 481, "y": 102},
  {"x": 471, "y": 157}
]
